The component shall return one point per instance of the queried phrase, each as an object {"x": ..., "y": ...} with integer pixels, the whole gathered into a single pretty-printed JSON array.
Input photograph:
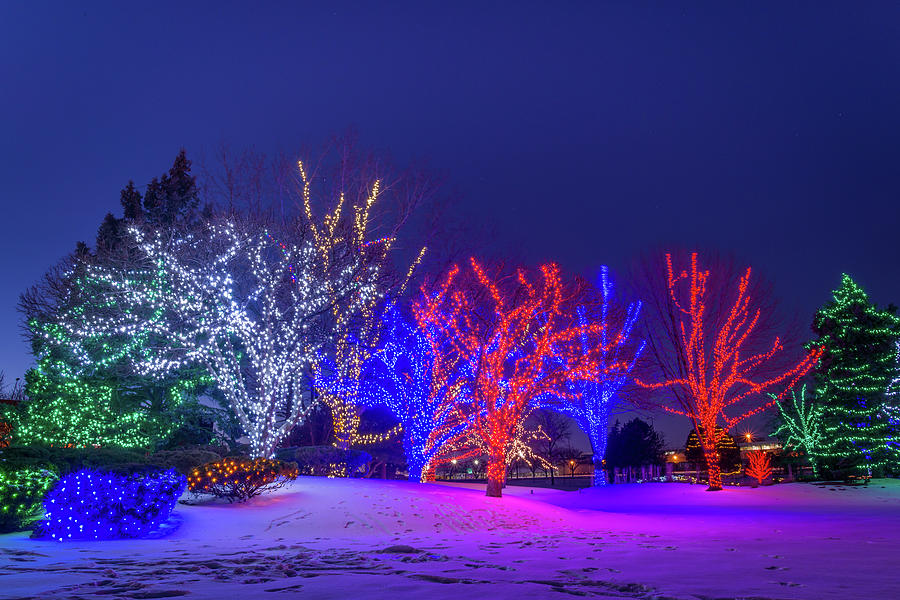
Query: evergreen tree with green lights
[
  {"x": 107, "y": 403},
  {"x": 852, "y": 382}
]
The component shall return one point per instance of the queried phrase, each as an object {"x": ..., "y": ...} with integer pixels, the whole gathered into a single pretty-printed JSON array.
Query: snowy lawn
[{"x": 334, "y": 538}]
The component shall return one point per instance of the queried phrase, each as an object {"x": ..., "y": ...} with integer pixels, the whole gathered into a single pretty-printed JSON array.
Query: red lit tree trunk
[
  {"x": 496, "y": 472},
  {"x": 709, "y": 443},
  {"x": 711, "y": 351}
]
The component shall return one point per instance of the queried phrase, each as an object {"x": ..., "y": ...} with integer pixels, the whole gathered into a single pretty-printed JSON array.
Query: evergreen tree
[
  {"x": 633, "y": 444},
  {"x": 107, "y": 404},
  {"x": 131, "y": 203},
  {"x": 173, "y": 198},
  {"x": 728, "y": 450},
  {"x": 852, "y": 382},
  {"x": 109, "y": 234}
]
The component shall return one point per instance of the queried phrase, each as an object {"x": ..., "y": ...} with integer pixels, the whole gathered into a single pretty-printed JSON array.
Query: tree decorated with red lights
[
  {"x": 719, "y": 360},
  {"x": 760, "y": 466},
  {"x": 504, "y": 338}
]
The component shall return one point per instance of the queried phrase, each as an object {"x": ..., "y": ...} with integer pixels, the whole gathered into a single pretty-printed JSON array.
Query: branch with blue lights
[
  {"x": 225, "y": 299},
  {"x": 892, "y": 413},
  {"x": 401, "y": 375},
  {"x": 852, "y": 383},
  {"x": 592, "y": 400},
  {"x": 511, "y": 340}
]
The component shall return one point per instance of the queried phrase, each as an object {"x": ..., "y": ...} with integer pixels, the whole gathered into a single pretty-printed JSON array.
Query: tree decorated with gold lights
[
  {"x": 716, "y": 360},
  {"x": 354, "y": 324},
  {"x": 249, "y": 310},
  {"x": 853, "y": 382},
  {"x": 513, "y": 341}
]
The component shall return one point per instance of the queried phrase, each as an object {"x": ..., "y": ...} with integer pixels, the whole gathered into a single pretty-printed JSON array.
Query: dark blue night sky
[{"x": 587, "y": 131}]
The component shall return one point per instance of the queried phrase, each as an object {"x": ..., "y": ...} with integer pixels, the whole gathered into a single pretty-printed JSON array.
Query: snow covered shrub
[
  {"x": 236, "y": 478},
  {"x": 92, "y": 504},
  {"x": 21, "y": 492}
]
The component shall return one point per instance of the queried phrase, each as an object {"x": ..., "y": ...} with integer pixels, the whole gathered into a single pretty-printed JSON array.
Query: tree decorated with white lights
[
  {"x": 852, "y": 382},
  {"x": 248, "y": 310}
]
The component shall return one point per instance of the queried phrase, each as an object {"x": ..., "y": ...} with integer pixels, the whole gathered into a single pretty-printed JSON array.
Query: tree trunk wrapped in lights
[
  {"x": 801, "y": 426},
  {"x": 719, "y": 362},
  {"x": 231, "y": 300},
  {"x": 511, "y": 341}
]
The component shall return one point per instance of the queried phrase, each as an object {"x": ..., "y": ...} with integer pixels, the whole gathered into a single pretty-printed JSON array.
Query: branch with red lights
[{"x": 508, "y": 341}]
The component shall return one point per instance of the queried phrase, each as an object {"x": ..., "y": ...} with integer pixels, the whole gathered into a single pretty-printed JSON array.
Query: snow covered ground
[{"x": 333, "y": 538}]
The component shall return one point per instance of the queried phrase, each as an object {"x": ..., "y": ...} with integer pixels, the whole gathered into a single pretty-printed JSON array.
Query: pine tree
[
  {"x": 172, "y": 198},
  {"x": 852, "y": 381},
  {"x": 109, "y": 234},
  {"x": 131, "y": 203}
]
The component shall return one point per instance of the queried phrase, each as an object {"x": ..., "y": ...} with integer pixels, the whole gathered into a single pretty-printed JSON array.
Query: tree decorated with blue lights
[
  {"x": 593, "y": 399},
  {"x": 852, "y": 382},
  {"x": 404, "y": 376}
]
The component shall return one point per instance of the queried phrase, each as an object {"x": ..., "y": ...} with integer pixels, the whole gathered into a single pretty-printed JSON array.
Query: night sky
[{"x": 586, "y": 132}]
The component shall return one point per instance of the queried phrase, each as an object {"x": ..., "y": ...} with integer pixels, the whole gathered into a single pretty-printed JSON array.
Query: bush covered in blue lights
[{"x": 97, "y": 505}]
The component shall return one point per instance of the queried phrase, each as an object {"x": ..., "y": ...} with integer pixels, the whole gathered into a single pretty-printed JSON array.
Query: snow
[{"x": 338, "y": 538}]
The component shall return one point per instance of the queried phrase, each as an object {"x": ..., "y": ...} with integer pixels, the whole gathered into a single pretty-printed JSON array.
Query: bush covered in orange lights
[{"x": 239, "y": 479}]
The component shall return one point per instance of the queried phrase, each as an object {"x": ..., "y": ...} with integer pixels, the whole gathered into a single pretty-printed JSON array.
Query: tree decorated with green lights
[
  {"x": 97, "y": 398},
  {"x": 800, "y": 426},
  {"x": 852, "y": 382}
]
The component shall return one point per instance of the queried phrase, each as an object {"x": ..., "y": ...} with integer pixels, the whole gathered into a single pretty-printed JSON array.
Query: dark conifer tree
[{"x": 131, "y": 203}]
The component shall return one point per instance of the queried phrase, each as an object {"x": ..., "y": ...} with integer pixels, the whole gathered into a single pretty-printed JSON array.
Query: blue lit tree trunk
[{"x": 593, "y": 400}]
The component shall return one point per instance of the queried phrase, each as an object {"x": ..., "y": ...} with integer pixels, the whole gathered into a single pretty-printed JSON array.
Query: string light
[
  {"x": 95, "y": 505},
  {"x": 400, "y": 375},
  {"x": 593, "y": 399},
  {"x": 506, "y": 350},
  {"x": 801, "y": 426},
  {"x": 355, "y": 327},
  {"x": 225, "y": 301},
  {"x": 68, "y": 409},
  {"x": 240, "y": 479},
  {"x": 760, "y": 466},
  {"x": 726, "y": 378},
  {"x": 21, "y": 492},
  {"x": 852, "y": 385}
]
